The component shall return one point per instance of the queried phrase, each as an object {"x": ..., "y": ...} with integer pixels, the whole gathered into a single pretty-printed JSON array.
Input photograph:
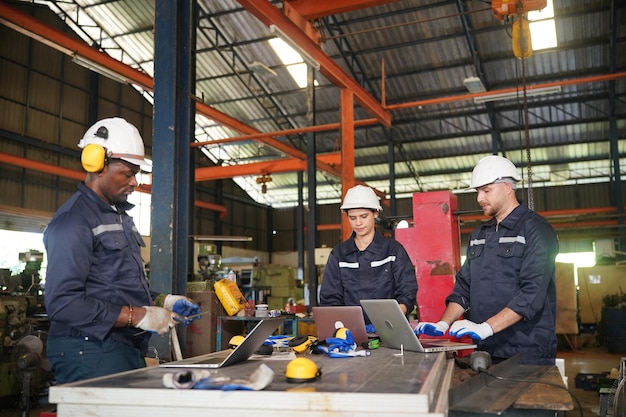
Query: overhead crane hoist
[
  {"x": 505, "y": 8},
  {"x": 263, "y": 180},
  {"x": 518, "y": 11}
]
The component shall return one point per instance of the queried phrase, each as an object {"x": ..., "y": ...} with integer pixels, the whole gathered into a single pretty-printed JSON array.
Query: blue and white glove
[
  {"x": 462, "y": 328},
  {"x": 182, "y": 306},
  {"x": 431, "y": 329},
  {"x": 369, "y": 328}
]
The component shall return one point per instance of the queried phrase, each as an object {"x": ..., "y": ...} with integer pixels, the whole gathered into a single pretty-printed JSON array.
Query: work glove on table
[
  {"x": 157, "y": 320},
  {"x": 183, "y": 306},
  {"x": 431, "y": 329},
  {"x": 476, "y": 331}
]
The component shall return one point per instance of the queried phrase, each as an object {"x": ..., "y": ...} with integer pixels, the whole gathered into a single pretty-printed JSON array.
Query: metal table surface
[{"x": 381, "y": 384}]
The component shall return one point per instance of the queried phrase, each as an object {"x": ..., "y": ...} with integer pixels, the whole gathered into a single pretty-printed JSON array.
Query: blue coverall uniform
[
  {"x": 511, "y": 264},
  {"x": 94, "y": 269},
  {"x": 382, "y": 270}
]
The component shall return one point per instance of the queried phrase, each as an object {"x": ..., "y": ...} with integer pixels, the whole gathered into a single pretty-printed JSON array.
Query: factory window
[
  {"x": 142, "y": 201},
  {"x": 141, "y": 212},
  {"x": 13, "y": 248},
  {"x": 579, "y": 259},
  {"x": 543, "y": 28}
]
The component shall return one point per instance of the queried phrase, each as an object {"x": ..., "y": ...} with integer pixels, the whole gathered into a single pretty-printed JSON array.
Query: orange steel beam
[
  {"x": 60, "y": 41},
  {"x": 42, "y": 167},
  {"x": 325, "y": 227},
  {"x": 347, "y": 153},
  {"x": 235, "y": 124},
  {"x": 303, "y": 23},
  {"x": 213, "y": 207},
  {"x": 469, "y": 96},
  {"x": 269, "y": 14},
  {"x": 261, "y": 168},
  {"x": 80, "y": 176},
  {"x": 321, "y": 8},
  {"x": 295, "y": 131}
]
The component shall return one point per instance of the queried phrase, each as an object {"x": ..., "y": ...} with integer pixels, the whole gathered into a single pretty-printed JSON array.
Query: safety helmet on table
[
  {"x": 361, "y": 196},
  {"x": 111, "y": 138},
  {"x": 493, "y": 168},
  {"x": 302, "y": 370},
  {"x": 235, "y": 341}
]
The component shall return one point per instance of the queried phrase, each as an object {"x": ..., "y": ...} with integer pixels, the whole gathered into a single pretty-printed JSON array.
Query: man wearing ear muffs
[{"x": 101, "y": 310}]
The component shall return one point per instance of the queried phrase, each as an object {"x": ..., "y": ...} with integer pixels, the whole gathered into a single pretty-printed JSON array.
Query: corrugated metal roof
[{"x": 428, "y": 49}]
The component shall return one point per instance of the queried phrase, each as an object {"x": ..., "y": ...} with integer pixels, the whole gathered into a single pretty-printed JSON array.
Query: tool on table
[{"x": 371, "y": 344}]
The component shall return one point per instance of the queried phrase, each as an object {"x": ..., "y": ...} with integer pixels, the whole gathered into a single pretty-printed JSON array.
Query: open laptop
[
  {"x": 395, "y": 331},
  {"x": 246, "y": 348},
  {"x": 351, "y": 317}
]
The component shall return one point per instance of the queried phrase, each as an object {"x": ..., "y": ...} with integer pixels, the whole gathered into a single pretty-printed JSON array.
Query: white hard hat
[
  {"x": 493, "y": 168},
  {"x": 120, "y": 139},
  {"x": 361, "y": 196}
]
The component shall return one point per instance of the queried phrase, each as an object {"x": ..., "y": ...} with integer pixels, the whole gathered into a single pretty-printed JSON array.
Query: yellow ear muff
[
  {"x": 300, "y": 344},
  {"x": 93, "y": 158}
]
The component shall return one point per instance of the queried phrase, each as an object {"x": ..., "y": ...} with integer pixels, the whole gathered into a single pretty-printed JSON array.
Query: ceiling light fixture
[
  {"x": 516, "y": 94},
  {"x": 474, "y": 85},
  {"x": 99, "y": 68},
  {"x": 262, "y": 69},
  {"x": 306, "y": 57}
]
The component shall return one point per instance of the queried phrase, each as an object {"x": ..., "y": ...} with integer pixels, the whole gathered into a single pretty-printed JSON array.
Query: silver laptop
[
  {"x": 351, "y": 317},
  {"x": 246, "y": 348},
  {"x": 395, "y": 331}
]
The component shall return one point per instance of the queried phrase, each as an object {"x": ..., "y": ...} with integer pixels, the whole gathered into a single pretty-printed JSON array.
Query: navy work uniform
[
  {"x": 382, "y": 270},
  {"x": 511, "y": 264},
  {"x": 94, "y": 269}
]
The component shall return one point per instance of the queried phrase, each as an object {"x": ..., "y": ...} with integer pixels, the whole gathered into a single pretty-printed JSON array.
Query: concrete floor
[{"x": 589, "y": 360}]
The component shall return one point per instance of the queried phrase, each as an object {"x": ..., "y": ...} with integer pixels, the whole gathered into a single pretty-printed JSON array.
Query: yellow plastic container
[{"x": 230, "y": 296}]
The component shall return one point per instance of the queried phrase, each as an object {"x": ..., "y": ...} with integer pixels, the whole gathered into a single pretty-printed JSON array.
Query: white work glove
[
  {"x": 157, "y": 320},
  {"x": 431, "y": 329},
  {"x": 462, "y": 328},
  {"x": 183, "y": 306}
]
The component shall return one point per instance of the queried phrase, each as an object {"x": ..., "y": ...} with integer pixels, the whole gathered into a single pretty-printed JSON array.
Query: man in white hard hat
[
  {"x": 367, "y": 265},
  {"x": 506, "y": 287},
  {"x": 96, "y": 292}
]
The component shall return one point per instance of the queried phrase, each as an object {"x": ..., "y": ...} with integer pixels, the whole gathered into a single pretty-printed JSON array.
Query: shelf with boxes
[{"x": 229, "y": 326}]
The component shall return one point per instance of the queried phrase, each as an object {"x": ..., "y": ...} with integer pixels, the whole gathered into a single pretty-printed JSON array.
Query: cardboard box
[{"x": 200, "y": 336}]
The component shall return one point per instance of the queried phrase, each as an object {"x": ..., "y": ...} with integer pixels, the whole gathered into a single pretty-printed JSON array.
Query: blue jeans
[{"x": 74, "y": 358}]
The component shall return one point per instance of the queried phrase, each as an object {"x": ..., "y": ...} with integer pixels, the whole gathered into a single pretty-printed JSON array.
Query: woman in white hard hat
[
  {"x": 367, "y": 265},
  {"x": 506, "y": 286},
  {"x": 96, "y": 292}
]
